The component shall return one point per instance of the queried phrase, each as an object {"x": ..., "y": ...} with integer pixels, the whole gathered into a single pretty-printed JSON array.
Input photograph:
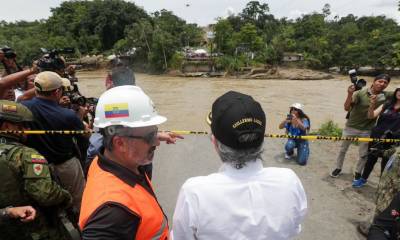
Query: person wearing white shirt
[{"x": 243, "y": 200}]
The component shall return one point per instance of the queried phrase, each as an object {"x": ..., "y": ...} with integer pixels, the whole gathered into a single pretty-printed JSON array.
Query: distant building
[{"x": 293, "y": 57}]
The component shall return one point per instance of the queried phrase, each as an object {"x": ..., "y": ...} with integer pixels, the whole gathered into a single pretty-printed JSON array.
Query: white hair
[{"x": 238, "y": 158}]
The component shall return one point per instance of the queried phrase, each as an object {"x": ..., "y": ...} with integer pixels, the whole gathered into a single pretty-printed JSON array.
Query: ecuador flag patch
[{"x": 116, "y": 110}]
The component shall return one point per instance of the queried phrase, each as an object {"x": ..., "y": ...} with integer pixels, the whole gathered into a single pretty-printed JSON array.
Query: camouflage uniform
[
  {"x": 25, "y": 180},
  {"x": 389, "y": 184}
]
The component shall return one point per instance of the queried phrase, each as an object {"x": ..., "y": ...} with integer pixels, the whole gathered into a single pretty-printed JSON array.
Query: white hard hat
[
  {"x": 297, "y": 106},
  {"x": 127, "y": 106}
]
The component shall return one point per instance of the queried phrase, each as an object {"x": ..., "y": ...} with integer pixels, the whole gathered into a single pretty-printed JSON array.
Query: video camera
[
  {"x": 9, "y": 52},
  {"x": 76, "y": 98},
  {"x": 358, "y": 83},
  {"x": 52, "y": 61}
]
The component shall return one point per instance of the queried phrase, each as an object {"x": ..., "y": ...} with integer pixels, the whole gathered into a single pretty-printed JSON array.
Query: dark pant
[{"x": 373, "y": 155}]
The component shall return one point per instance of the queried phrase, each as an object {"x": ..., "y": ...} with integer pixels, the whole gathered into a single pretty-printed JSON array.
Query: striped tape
[{"x": 182, "y": 132}]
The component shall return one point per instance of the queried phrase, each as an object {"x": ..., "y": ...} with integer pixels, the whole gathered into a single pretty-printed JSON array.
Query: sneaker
[
  {"x": 359, "y": 183},
  {"x": 357, "y": 176},
  {"x": 335, "y": 173},
  {"x": 287, "y": 156}
]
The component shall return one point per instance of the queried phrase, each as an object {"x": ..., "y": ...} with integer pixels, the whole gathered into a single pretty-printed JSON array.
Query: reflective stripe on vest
[
  {"x": 103, "y": 187},
  {"x": 160, "y": 232}
]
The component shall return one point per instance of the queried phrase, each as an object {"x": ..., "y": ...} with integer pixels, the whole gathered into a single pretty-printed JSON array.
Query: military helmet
[{"x": 14, "y": 112}]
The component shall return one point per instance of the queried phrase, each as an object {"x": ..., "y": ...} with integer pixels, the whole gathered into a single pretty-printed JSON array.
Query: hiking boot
[
  {"x": 335, "y": 173},
  {"x": 357, "y": 176},
  {"x": 359, "y": 183}
]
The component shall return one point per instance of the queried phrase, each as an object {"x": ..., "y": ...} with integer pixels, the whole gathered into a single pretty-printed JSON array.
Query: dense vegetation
[
  {"x": 103, "y": 26},
  {"x": 324, "y": 40},
  {"x": 252, "y": 37}
]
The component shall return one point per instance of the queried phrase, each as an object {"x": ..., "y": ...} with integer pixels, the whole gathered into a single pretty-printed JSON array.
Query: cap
[
  {"x": 47, "y": 81},
  {"x": 382, "y": 76},
  {"x": 298, "y": 106},
  {"x": 66, "y": 84},
  {"x": 14, "y": 112},
  {"x": 238, "y": 121}
]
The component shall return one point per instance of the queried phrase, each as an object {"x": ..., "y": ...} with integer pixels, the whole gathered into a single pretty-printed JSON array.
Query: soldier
[
  {"x": 25, "y": 180},
  {"x": 387, "y": 202}
]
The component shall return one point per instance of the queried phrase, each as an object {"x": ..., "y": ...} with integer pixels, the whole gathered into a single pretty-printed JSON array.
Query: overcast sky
[{"x": 204, "y": 12}]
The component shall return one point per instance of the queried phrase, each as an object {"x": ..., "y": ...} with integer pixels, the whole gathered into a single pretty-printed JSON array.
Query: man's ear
[{"x": 118, "y": 143}]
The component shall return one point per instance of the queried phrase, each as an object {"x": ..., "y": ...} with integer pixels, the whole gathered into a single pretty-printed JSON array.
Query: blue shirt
[
  {"x": 293, "y": 131},
  {"x": 49, "y": 115},
  {"x": 95, "y": 144}
]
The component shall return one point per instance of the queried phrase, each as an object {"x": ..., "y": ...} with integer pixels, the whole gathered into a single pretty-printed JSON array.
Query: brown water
[{"x": 186, "y": 101}]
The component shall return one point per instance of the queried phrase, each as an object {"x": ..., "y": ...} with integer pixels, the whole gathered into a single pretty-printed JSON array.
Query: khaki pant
[
  {"x": 71, "y": 177},
  {"x": 362, "y": 148}
]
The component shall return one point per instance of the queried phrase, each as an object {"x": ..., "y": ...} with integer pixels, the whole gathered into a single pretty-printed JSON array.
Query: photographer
[
  {"x": 59, "y": 150},
  {"x": 297, "y": 123},
  {"x": 357, "y": 124},
  {"x": 9, "y": 61},
  {"x": 387, "y": 126},
  {"x": 8, "y": 83}
]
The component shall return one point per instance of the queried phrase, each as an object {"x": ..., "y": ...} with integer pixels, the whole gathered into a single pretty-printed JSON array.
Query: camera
[
  {"x": 358, "y": 83},
  {"x": 9, "y": 53},
  {"x": 289, "y": 117},
  {"x": 52, "y": 61},
  {"x": 76, "y": 98}
]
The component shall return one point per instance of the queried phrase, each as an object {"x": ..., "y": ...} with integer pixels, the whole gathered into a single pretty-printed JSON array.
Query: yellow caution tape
[
  {"x": 183, "y": 132},
  {"x": 309, "y": 137}
]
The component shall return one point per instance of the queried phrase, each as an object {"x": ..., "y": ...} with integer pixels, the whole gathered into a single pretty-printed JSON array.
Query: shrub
[{"x": 329, "y": 128}]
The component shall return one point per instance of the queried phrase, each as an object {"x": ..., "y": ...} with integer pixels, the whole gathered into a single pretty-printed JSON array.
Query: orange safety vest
[{"x": 103, "y": 187}]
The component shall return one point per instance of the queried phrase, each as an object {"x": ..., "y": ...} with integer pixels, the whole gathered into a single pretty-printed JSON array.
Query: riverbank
[{"x": 266, "y": 72}]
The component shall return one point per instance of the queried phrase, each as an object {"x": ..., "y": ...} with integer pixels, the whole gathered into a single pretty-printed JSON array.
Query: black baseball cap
[
  {"x": 383, "y": 76},
  {"x": 238, "y": 121}
]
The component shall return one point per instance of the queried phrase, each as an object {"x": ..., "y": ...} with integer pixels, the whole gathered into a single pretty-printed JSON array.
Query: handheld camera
[{"x": 358, "y": 83}]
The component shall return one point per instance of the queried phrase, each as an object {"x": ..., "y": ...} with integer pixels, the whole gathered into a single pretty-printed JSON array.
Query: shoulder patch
[
  {"x": 37, "y": 169},
  {"x": 37, "y": 158},
  {"x": 35, "y": 165}
]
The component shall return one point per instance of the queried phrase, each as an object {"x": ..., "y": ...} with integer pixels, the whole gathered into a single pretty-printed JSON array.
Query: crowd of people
[{"x": 98, "y": 185}]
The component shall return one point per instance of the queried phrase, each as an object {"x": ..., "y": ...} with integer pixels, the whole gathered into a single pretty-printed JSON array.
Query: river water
[{"x": 186, "y": 101}]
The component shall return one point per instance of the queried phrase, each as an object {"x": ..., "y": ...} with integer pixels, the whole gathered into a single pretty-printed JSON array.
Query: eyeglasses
[{"x": 149, "y": 138}]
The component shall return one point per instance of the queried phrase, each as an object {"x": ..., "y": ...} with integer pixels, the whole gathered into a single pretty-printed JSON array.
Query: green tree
[
  {"x": 223, "y": 36},
  {"x": 97, "y": 24},
  {"x": 248, "y": 38}
]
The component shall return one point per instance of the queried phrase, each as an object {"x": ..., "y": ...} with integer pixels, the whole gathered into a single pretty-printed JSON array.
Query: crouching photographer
[
  {"x": 297, "y": 123},
  {"x": 387, "y": 127}
]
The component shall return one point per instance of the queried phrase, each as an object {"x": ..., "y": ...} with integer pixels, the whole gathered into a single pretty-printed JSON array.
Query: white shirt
[{"x": 249, "y": 203}]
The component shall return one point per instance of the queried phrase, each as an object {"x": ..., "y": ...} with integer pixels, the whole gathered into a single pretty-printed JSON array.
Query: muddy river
[{"x": 186, "y": 101}]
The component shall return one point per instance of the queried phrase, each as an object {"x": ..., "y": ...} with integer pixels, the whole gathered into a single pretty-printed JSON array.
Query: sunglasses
[{"x": 149, "y": 138}]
